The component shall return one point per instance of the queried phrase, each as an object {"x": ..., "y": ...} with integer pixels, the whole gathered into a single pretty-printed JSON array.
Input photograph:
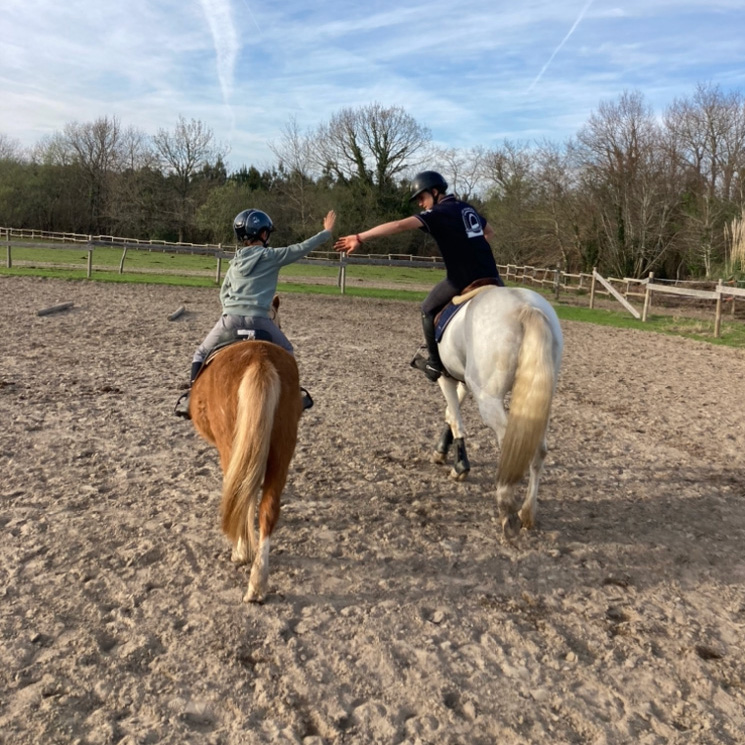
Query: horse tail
[
  {"x": 258, "y": 398},
  {"x": 532, "y": 392}
]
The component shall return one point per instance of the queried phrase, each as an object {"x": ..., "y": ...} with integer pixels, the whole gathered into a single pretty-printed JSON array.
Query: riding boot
[
  {"x": 182, "y": 405},
  {"x": 431, "y": 367}
]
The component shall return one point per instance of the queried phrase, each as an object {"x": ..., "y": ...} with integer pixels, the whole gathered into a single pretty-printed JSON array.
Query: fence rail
[{"x": 555, "y": 280}]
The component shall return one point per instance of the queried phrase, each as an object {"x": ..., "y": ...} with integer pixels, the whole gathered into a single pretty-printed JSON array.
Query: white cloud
[{"x": 474, "y": 72}]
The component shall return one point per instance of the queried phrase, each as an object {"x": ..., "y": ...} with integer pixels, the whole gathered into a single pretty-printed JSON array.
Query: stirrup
[
  {"x": 430, "y": 368},
  {"x": 183, "y": 412},
  {"x": 306, "y": 399},
  {"x": 421, "y": 355}
]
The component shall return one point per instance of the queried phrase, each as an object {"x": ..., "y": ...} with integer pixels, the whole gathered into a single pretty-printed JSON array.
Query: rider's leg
[
  {"x": 433, "y": 365},
  {"x": 182, "y": 405},
  {"x": 440, "y": 295}
]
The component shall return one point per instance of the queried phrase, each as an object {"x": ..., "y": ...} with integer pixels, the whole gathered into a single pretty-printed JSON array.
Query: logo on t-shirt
[{"x": 472, "y": 222}]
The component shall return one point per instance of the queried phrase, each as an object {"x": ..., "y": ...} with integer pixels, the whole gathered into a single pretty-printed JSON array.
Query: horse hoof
[
  {"x": 439, "y": 458},
  {"x": 511, "y": 526},
  {"x": 457, "y": 475},
  {"x": 253, "y": 595}
]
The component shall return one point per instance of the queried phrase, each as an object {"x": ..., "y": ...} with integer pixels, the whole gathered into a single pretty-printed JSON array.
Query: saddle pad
[{"x": 444, "y": 317}]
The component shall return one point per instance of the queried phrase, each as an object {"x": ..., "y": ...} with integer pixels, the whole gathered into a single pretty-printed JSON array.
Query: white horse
[{"x": 505, "y": 340}]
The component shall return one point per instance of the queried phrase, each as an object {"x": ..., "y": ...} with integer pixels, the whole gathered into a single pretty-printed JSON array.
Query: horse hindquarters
[
  {"x": 530, "y": 407},
  {"x": 267, "y": 414}
]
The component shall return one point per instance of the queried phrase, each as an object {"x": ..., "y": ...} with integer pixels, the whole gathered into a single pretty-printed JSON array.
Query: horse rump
[{"x": 247, "y": 403}]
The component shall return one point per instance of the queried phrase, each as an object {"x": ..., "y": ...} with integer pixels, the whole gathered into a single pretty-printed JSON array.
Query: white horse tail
[
  {"x": 532, "y": 392},
  {"x": 258, "y": 398}
]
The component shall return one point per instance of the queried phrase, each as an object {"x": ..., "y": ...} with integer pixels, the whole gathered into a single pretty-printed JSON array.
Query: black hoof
[{"x": 511, "y": 526}]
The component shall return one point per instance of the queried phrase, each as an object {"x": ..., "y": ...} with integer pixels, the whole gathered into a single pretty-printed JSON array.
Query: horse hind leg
[
  {"x": 530, "y": 505},
  {"x": 259, "y": 578},
  {"x": 508, "y": 512},
  {"x": 275, "y": 478}
]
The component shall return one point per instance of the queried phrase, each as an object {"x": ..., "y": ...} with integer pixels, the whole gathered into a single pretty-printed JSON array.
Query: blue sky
[{"x": 475, "y": 72}]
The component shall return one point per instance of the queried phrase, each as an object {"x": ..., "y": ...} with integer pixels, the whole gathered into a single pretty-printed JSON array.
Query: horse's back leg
[
  {"x": 530, "y": 505},
  {"x": 277, "y": 468}
]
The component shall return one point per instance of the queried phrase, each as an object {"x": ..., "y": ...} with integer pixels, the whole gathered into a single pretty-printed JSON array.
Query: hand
[
  {"x": 348, "y": 244},
  {"x": 329, "y": 220}
]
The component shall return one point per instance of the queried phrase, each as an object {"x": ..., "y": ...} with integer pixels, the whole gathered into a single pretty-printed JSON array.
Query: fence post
[
  {"x": 557, "y": 282},
  {"x": 592, "y": 287},
  {"x": 718, "y": 317},
  {"x": 121, "y": 262},
  {"x": 647, "y": 297},
  {"x": 89, "y": 270},
  {"x": 341, "y": 280},
  {"x": 218, "y": 271},
  {"x": 7, "y": 238}
]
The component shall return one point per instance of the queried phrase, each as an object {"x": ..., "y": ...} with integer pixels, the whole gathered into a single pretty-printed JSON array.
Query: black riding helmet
[
  {"x": 249, "y": 224},
  {"x": 425, "y": 181}
]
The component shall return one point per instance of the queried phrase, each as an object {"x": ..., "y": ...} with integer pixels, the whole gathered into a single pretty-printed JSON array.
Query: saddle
[
  {"x": 443, "y": 318},
  {"x": 232, "y": 336}
]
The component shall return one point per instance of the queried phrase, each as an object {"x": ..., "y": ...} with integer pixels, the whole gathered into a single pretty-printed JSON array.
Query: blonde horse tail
[
  {"x": 258, "y": 398},
  {"x": 532, "y": 392}
]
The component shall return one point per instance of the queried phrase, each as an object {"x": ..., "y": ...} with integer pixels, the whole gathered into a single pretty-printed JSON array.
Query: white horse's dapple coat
[{"x": 506, "y": 340}]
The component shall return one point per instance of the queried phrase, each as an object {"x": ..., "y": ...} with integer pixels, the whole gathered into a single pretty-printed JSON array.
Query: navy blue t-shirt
[{"x": 458, "y": 231}]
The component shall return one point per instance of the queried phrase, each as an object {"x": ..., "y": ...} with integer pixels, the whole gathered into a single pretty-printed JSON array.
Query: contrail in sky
[
  {"x": 563, "y": 41},
  {"x": 227, "y": 46}
]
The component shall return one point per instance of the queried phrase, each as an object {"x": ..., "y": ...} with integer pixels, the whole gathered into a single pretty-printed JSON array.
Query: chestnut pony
[{"x": 247, "y": 402}]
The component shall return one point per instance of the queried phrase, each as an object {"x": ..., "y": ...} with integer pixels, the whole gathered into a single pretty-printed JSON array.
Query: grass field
[{"x": 392, "y": 283}]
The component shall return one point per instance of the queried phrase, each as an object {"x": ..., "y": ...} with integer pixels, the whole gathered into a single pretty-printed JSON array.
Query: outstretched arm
[{"x": 350, "y": 243}]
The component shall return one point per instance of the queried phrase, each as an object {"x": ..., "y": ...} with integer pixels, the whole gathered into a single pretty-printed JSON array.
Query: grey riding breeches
[{"x": 228, "y": 322}]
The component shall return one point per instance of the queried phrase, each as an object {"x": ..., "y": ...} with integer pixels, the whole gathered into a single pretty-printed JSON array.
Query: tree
[
  {"x": 183, "y": 152},
  {"x": 372, "y": 144},
  {"x": 10, "y": 149},
  {"x": 95, "y": 148},
  {"x": 623, "y": 168},
  {"x": 706, "y": 143}
]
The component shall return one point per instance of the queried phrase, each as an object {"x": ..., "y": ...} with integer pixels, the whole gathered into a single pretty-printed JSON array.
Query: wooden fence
[{"x": 553, "y": 280}]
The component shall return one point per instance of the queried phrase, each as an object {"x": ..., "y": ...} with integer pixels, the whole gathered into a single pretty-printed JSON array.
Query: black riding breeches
[{"x": 440, "y": 295}]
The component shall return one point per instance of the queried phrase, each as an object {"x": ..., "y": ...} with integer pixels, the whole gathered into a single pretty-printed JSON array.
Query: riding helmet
[
  {"x": 425, "y": 181},
  {"x": 249, "y": 224}
]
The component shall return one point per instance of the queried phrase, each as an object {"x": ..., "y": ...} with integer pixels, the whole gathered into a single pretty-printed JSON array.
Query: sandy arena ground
[{"x": 396, "y": 614}]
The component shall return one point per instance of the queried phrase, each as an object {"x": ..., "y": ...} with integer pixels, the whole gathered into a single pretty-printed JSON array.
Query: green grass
[
  {"x": 186, "y": 270},
  {"x": 732, "y": 334}
]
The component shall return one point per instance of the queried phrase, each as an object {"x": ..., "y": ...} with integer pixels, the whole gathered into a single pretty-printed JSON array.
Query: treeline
[{"x": 632, "y": 192}]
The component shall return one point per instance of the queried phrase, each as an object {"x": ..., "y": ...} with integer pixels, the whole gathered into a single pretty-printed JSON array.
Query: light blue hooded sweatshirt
[{"x": 251, "y": 281}]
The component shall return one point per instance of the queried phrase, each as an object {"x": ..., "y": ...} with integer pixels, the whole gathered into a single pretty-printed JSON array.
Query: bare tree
[
  {"x": 507, "y": 172},
  {"x": 296, "y": 164},
  {"x": 10, "y": 148},
  {"x": 623, "y": 167},
  {"x": 706, "y": 142},
  {"x": 372, "y": 144},
  {"x": 462, "y": 169},
  {"x": 95, "y": 148},
  {"x": 183, "y": 152}
]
